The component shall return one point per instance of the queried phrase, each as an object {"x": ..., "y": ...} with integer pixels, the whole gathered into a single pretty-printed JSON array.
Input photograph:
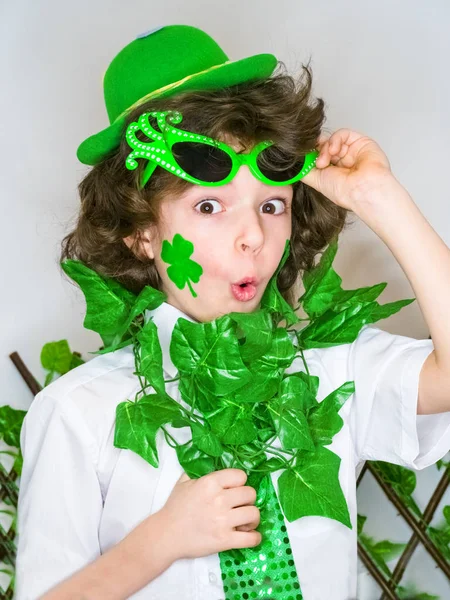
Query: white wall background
[{"x": 382, "y": 68}]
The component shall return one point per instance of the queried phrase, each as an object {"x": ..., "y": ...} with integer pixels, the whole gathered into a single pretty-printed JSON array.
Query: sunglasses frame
[{"x": 159, "y": 151}]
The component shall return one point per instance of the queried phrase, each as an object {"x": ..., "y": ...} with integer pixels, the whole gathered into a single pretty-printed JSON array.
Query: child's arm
[
  {"x": 126, "y": 568},
  {"x": 201, "y": 517},
  {"x": 353, "y": 172}
]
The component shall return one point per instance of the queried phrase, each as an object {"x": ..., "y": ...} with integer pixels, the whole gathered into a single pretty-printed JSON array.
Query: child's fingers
[
  {"x": 244, "y": 539},
  {"x": 243, "y": 515},
  {"x": 230, "y": 478},
  {"x": 240, "y": 496}
]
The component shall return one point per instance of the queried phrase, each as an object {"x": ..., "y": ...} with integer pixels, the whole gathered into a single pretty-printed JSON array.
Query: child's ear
[{"x": 141, "y": 243}]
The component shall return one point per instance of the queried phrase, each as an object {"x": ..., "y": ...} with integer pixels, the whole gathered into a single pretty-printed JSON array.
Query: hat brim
[{"x": 96, "y": 147}]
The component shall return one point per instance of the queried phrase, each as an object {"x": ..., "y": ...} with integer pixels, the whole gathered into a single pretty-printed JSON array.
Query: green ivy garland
[{"x": 233, "y": 378}]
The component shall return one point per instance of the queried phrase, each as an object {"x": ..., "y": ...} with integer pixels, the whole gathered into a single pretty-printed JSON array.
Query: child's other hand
[
  {"x": 350, "y": 165},
  {"x": 211, "y": 514}
]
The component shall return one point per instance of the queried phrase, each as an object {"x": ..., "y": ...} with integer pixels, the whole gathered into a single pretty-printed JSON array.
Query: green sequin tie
[{"x": 266, "y": 572}]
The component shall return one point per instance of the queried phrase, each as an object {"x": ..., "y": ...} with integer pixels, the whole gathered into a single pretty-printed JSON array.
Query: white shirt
[{"x": 79, "y": 495}]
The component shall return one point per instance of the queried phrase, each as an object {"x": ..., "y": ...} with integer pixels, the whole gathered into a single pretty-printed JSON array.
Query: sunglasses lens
[
  {"x": 202, "y": 161},
  {"x": 275, "y": 165}
]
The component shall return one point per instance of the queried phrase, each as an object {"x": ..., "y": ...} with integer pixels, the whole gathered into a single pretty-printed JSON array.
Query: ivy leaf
[
  {"x": 262, "y": 386},
  {"x": 322, "y": 284},
  {"x": 272, "y": 300},
  {"x": 446, "y": 513},
  {"x": 361, "y": 522},
  {"x": 148, "y": 299},
  {"x": 331, "y": 329},
  {"x": 206, "y": 440},
  {"x": 324, "y": 420},
  {"x": 137, "y": 424},
  {"x": 299, "y": 390},
  {"x": 291, "y": 425},
  {"x": 195, "y": 396},
  {"x": 182, "y": 269},
  {"x": 195, "y": 462},
  {"x": 442, "y": 463},
  {"x": 209, "y": 352},
  {"x": 402, "y": 481},
  {"x": 376, "y": 551},
  {"x": 107, "y": 302},
  {"x": 410, "y": 593},
  {"x": 233, "y": 425},
  {"x": 257, "y": 328},
  {"x": 267, "y": 371},
  {"x": 151, "y": 366},
  {"x": 312, "y": 488},
  {"x": 76, "y": 361},
  {"x": 57, "y": 357},
  {"x": 11, "y": 421},
  {"x": 323, "y": 288}
]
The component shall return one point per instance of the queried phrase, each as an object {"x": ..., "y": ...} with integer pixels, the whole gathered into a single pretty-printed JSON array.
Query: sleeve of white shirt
[
  {"x": 60, "y": 501},
  {"x": 383, "y": 415}
]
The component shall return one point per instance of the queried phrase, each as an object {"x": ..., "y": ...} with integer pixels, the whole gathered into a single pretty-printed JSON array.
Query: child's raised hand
[
  {"x": 211, "y": 514},
  {"x": 349, "y": 166}
]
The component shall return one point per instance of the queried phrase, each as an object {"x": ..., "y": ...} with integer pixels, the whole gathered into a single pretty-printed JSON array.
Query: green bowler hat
[{"x": 162, "y": 63}]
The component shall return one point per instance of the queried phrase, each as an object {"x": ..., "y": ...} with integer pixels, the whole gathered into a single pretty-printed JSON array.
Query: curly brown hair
[{"x": 113, "y": 207}]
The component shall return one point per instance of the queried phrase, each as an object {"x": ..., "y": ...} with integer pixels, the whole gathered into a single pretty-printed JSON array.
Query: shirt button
[{"x": 212, "y": 577}]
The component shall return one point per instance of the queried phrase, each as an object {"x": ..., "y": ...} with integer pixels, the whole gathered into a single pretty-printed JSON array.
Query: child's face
[{"x": 238, "y": 230}]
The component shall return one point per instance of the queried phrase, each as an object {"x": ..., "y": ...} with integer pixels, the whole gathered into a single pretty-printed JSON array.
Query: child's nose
[{"x": 251, "y": 234}]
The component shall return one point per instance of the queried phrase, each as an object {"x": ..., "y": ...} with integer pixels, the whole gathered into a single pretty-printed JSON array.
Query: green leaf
[
  {"x": 137, "y": 424},
  {"x": 396, "y": 475},
  {"x": 148, "y": 299},
  {"x": 332, "y": 329},
  {"x": 402, "y": 481},
  {"x": 57, "y": 357},
  {"x": 273, "y": 301},
  {"x": 322, "y": 284},
  {"x": 442, "y": 463},
  {"x": 291, "y": 425},
  {"x": 206, "y": 440},
  {"x": 151, "y": 362},
  {"x": 76, "y": 361},
  {"x": 108, "y": 303},
  {"x": 299, "y": 390},
  {"x": 49, "y": 378},
  {"x": 209, "y": 352},
  {"x": 361, "y": 521},
  {"x": 233, "y": 425},
  {"x": 267, "y": 371},
  {"x": 195, "y": 462},
  {"x": 182, "y": 269},
  {"x": 257, "y": 328},
  {"x": 195, "y": 395},
  {"x": 312, "y": 488},
  {"x": 323, "y": 289},
  {"x": 388, "y": 550},
  {"x": 18, "y": 463},
  {"x": 446, "y": 513},
  {"x": 410, "y": 593},
  {"x": 11, "y": 421},
  {"x": 324, "y": 420}
]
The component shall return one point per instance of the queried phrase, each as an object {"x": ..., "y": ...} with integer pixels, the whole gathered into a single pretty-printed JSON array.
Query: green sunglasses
[{"x": 202, "y": 160}]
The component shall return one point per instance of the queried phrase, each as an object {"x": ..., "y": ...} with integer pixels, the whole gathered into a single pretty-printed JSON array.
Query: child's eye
[
  {"x": 208, "y": 207},
  {"x": 273, "y": 207}
]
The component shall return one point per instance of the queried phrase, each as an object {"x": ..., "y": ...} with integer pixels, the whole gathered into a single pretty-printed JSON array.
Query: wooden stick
[{"x": 31, "y": 382}]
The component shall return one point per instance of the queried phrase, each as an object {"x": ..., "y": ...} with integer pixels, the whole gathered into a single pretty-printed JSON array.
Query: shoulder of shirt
[
  {"x": 91, "y": 391},
  {"x": 92, "y": 372}
]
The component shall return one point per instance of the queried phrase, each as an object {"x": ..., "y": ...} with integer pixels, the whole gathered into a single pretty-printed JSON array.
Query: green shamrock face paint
[{"x": 182, "y": 269}]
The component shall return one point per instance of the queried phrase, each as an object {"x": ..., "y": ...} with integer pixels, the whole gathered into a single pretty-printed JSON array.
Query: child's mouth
[{"x": 245, "y": 289}]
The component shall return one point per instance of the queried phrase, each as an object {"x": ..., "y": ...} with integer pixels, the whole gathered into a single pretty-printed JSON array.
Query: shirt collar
[{"x": 165, "y": 318}]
